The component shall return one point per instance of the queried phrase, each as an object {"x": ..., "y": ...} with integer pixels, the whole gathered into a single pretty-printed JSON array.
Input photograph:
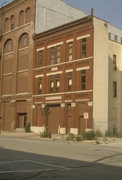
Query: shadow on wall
[{"x": 114, "y": 96}]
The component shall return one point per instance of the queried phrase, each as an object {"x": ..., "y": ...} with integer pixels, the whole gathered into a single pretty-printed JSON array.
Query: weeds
[
  {"x": 45, "y": 134},
  {"x": 28, "y": 127}
]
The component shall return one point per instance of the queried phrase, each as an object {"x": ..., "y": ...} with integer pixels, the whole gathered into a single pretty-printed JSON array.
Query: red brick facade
[
  {"x": 63, "y": 77},
  {"x": 16, "y": 48}
]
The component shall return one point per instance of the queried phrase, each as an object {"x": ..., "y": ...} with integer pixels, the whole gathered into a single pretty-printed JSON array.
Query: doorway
[{"x": 21, "y": 120}]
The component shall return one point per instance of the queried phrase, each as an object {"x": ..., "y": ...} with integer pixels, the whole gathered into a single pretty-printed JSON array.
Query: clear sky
[{"x": 109, "y": 10}]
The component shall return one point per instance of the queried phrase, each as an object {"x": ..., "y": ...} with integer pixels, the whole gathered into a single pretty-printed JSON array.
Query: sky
[{"x": 109, "y": 10}]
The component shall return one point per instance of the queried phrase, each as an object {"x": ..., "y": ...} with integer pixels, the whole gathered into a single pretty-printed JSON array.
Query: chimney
[{"x": 92, "y": 11}]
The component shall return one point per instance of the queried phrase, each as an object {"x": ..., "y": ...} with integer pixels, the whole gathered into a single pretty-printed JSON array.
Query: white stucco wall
[
  {"x": 52, "y": 13},
  {"x": 115, "y": 31},
  {"x": 115, "y": 103},
  {"x": 100, "y": 76}
]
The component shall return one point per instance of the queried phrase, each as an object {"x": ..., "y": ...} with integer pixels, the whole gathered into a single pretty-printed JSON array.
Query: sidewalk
[
  {"x": 109, "y": 142},
  {"x": 20, "y": 134}
]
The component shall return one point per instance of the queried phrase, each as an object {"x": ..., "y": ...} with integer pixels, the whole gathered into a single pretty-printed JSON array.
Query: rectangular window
[
  {"x": 69, "y": 81},
  {"x": 51, "y": 86},
  {"x": 114, "y": 62},
  {"x": 54, "y": 84},
  {"x": 114, "y": 89},
  {"x": 58, "y": 53},
  {"x": 55, "y": 53},
  {"x": 57, "y": 84},
  {"x": 83, "y": 48},
  {"x": 40, "y": 86},
  {"x": 70, "y": 51},
  {"x": 52, "y": 55},
  {"x": 121, "y": 40},
  {"x": 109, "y": 36},
  {"x": 116, "y": 38},
  {"x": 83, "y": 80},
  {"x": 40, "y": 58}
]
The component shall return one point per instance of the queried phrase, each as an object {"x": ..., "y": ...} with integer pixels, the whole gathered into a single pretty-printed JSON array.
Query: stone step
[{"x": 19, "y": 130}]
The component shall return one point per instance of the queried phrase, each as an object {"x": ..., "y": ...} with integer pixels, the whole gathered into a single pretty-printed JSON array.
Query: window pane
[
  {"x": 114, "y": 89},
  {"x": 52, "y": 55},
  {"x": 40, "y": 58},
  {"x": 40, "y": 85},
  {"x": 83, "y": 80},
  {"x": 70, "y": 51},
  {"x": 83, "y": 48}
]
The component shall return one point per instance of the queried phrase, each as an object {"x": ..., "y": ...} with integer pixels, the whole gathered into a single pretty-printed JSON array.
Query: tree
[{"x": 45, "y": 113}]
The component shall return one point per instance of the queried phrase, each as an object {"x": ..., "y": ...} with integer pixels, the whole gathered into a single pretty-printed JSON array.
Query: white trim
[
  {"x": 83, "y": 59},
  {"x": 24, "y": 48},
  {"x": 72, "y": 92},
  {"x": 85, "y": 36},
  {"x": 81, "y": 100},
  {"x": 38, "y": 76},
  {"x": 53, "y": 45},
  {"x": 54, "y": 73},
  {"x": 30, "y": 23},
  {"x": 40, "y": 49},
  {"x": 7, "y": 95},
  {"x": 82, "y": 68},
  {"x": 7, "y": 74},
  {"x": 13, "y": 101},
  {"x": 22, "y": 93},
  {"x": 53, "y": 97},
  {"x": 69, "y": 40},
  {"x": 29, "y": 99},
  {"x": 9, "y": 53},
  {"x": 48, "y": 102},
  {"x": 68, "y": 101},
  {"x": 23, "y": 71},
  {"x": 68, "y": 70}
]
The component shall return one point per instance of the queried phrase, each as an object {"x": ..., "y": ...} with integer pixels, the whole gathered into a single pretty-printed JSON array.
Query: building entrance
[{"x": 21, "y": 120}]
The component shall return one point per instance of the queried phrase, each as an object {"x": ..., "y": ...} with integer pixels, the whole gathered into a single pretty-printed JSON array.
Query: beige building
[{"x": 107, "y": 88}]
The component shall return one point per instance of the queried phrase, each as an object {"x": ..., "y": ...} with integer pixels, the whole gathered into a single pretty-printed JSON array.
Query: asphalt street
[{"x": 27, "y": 158}]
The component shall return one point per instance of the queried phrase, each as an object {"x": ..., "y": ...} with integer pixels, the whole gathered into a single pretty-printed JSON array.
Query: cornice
[
  {"x": 85, "y": 21},
  {"x": 12, "y": 5}
]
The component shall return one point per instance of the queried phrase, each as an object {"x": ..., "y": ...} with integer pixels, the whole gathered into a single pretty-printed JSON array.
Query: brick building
[
  {"x": 63, "y": 77},
  {"x": 19, "y": 20},
  {"x": 77, "y": 74}
]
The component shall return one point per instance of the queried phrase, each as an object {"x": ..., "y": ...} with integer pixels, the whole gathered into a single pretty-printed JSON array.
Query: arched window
[
  {"x": 23, "y": 41},
  {"x": 8, "y": 47},
  {"x": 28, "y": 15},
  {"x": 21, "y": 18},
  {"x": 6, "y": 25},
  {"x": 12, "y": 22}
]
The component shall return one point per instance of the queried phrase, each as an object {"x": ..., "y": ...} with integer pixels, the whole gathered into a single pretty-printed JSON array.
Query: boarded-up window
[
  {"x": 22, "y": 85},
  {"x": 12, "y": 22},
  {"x": 21, "y": 18},
  {"x": 6, "y": 25},
  {"x": 23, "y": 62},
  {"x": 28, "y": 15},
  {"x": 7, "y": 85},
  {"x": 7, "y": 65}
]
